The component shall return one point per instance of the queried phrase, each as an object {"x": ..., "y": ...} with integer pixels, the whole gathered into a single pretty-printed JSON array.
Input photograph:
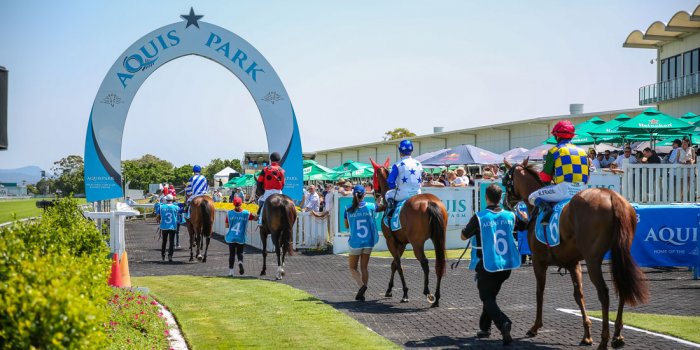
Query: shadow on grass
[{"x": 446, "y": 342}]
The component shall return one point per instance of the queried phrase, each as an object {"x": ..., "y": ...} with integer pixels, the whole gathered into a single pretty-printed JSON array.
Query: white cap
[{"x": 169, "y": 198}]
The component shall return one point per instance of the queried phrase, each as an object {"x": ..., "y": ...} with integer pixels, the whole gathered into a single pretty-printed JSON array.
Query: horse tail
[
  {"x": 206, "y": 214},
  {"x": 287, "y": 221},
  {"x": 629, "y": 279},
  {"x": 437, "y": 235}
]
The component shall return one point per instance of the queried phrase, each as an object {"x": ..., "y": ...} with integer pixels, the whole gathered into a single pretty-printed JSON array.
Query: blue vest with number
[
  {"x": 168, "y": 216},
  {"x": 498, "y": 249},
  {"x": 237, "y": 223},
  {"x": 363, "y": 230}
]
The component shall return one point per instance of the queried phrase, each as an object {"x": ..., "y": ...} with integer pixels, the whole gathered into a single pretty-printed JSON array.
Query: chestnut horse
[
  {"x": 597, "y": 220},
  {"x": 200, "y": 224},
  {"x": 423, "y": 216},
  {"x": 278, "y": 217}
]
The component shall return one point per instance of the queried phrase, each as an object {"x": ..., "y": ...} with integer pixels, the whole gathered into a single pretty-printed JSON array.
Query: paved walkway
[{"x": 414, "y": 324}]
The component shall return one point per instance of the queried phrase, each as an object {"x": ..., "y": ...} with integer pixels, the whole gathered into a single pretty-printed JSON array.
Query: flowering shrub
[
  {"x": 135, "y": 322},
  {"x": 252, "y": 207}
]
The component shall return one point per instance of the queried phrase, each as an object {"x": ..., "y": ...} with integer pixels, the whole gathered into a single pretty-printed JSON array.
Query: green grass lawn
[
  {"x": 430, "y": 254},
  {"x": 684, "y": 327},
  {"x": 233, "y": 313},
  {"x": 24, "y": 208}
]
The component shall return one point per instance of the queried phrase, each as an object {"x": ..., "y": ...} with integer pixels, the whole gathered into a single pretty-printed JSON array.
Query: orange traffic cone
[
  {"x": 115, "y": 278},
  {"x": 124, "y": 269}
]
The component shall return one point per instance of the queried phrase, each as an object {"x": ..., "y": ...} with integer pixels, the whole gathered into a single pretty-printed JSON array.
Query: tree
[
  {"x": 182, "y": 174},
  {"x": 217, "y": 165},
  {"x": 69, "y": 174},
  {"x": 33, "y": 189},
  {"x": 46, "y": 185},
  {"x": 146, "y": 170},
  {"x": 398, "y": 133}
]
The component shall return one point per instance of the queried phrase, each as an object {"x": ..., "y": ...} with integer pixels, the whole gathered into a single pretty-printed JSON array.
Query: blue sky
[{"x": 352, "y": 69}]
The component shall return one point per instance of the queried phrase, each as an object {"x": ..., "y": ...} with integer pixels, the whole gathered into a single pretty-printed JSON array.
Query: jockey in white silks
[
  {"x": 197, "y": 184},
  {"x": 405, "y": 178}
]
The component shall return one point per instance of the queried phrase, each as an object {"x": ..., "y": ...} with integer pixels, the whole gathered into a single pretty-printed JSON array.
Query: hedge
[{"x": 53, "y": 288}]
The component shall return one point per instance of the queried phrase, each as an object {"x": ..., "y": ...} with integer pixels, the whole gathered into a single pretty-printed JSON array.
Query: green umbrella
[
  {"x": 652, "y": 121},
  {"x": 315, "y": 171},
  {"x": 690, "y": 117},
  {"x": 355, "y": 169},
  {"x": 694, "y": 139}
]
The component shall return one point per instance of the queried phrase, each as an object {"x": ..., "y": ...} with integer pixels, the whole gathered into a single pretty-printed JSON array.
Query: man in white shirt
[
  {"x": 628, "y": 156},
  {"x": 597, "y": 163},
  {"x": 312, "y": 200},
  {"x": 607, "y": 160},
  {"x": 328, "y": 199},
  {"x": 462, "y": 179}
]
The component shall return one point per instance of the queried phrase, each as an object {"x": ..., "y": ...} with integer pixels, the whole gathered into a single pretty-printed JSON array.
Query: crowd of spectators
[{"x": 681, "y": 153}]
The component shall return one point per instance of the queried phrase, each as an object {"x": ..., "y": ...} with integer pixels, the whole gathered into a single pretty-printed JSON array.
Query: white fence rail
[
  {"x": 660, "y": 183},
  {"x": 309, "y": 231}
]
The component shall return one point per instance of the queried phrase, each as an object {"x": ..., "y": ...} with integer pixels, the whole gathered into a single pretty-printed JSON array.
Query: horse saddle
[
  {"x": 549, "y": 234},
  {"x": 394, "y": 222}
]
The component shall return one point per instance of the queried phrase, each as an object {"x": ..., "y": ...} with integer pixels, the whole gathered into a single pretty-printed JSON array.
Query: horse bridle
[{"x": 509, "y": 183}]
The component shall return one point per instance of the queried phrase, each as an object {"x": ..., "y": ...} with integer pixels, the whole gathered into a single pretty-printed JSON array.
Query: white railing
[
  {"x": 308, "y": 232},
  {"x": 660, "y": 183}
]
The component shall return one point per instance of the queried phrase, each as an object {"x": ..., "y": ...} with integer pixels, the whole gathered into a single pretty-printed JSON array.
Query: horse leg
[
  {"x": 199, "y": 246},
  {"x": 263, "y": 239},
  {"x": 420, "y": 256},
  {"x": 540, "y": 267},
  {"x": 577, "y": 279},
  {"x": 404, "y": 299},
  {"x": 191, "y": 246},
  {"x": 618, "y": 340},
  {"x": 394, "y": 267},
  {"x": 279, "y": 260},
  {"x": 439, "y": 273},
  {"x": 595, "y": 272},
  {"x": 206, "y": 249}
]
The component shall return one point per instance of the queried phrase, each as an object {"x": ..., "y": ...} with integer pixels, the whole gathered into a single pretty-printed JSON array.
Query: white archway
[{"x": 103, "y": 142}]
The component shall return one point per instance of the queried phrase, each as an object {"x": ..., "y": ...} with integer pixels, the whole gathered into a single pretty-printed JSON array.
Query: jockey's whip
[{"x": 455, "y": 264}]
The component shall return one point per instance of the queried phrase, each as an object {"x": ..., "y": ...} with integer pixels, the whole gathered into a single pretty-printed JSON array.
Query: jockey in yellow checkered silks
[{"x": 566, "y": 165}]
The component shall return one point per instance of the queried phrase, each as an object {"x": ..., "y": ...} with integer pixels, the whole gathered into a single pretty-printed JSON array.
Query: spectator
[
  {"x": 627, "y": 155},
  {"x": 129, "y": 201},
  {"x": 675, "y": 156},
  {"x": 597, "y": 164},
  {"x": 369, "y": 188},
  {"x": 687, "y": 152},
  {"x": 462, "y": 177},
  {"x": 650, "y": 157},
  {"x": 443, "y": 180},
  {"x": 488, "y": 175},
  {"x": 346, "y": 189},
  {"x": 591, "y": 155},
  {"x": 451, "y": 177},
  {"x": 328, "y": 197},
  {"x": 312, "y": 200},
  {"x": 607, "y": 160},
  {"x": 434, "y": 181}
]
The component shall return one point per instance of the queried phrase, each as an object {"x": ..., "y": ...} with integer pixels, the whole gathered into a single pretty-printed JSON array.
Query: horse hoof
[
  {"x": 404, "y": 300},
  {"x": 199, "y": 257},
  {"x": 387, "y": 295},
  {"x": 618, "y": 342},
  {"x": 262, "y": 273},
  {"x": 586, "y": 342},
  {"x": 191, "y": 259},
  {"x": 435, "y": 304},
  {"x": 204, "y": 260},
  {"x": 602, "y": 346},
  {"x": 530, "y": 334},
  {"x": 430, "y": 298}
]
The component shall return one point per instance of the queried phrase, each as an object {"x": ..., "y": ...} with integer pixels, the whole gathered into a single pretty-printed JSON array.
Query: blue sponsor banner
[
  {"x": 482, "y": 193},
  {"x": 344, "y": 202},
  {"x": 667, "y": 235}
]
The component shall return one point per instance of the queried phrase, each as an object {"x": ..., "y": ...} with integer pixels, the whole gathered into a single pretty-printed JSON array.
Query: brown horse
[
  {"x": 597, "y": 220},
  {"x": 422, "y": 217},
  {"x": 278, "y": 217},
  {"x": 200, "y": 225}
]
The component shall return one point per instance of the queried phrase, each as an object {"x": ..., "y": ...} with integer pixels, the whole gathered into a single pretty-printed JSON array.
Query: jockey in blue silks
[
  {"x": 405, "y": 178},
  {"x": 197, "y": 184}
]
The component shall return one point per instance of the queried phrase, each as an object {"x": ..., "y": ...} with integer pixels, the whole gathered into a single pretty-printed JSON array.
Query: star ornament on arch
[{"x": 192, "y": 19}]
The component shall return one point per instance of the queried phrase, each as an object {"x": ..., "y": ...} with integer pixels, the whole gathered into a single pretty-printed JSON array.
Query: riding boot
[
  {"x": 546, "y": 210},
  {"x": 390, "y": 206},
  {"x": 260, "y": 205}
]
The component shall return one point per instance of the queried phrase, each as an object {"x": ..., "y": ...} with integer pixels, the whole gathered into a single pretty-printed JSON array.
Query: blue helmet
[
  {"x": 406, "y": 147},
  {"x": 197, "y": 169},
  {"x": 358, "y": 189}
]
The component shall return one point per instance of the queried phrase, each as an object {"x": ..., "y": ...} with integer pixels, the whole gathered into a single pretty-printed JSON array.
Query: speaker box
[{"x": 3, "y": 108}]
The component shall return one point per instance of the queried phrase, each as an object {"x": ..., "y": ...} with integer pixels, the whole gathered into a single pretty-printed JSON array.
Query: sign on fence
[
  {"x": 667, "y": 235},
  {"x": 605, "y": 180}
]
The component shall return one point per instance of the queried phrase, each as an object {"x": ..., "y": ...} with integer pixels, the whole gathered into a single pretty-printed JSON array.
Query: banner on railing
[
  {"x": 605, "y": 180},
  {"x": 667, "y": 235}
]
